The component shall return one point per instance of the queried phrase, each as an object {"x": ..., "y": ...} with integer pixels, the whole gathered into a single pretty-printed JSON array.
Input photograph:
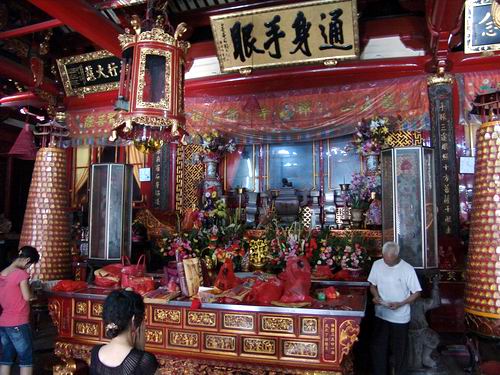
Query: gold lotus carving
[{"x": 204, "y": 319}]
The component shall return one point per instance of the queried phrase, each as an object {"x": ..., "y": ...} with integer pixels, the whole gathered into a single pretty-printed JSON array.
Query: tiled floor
[{"x": 454, "y": 354}]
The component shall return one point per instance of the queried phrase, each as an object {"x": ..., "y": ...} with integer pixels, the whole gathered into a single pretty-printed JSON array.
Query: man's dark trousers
[{"x": 395, "y": 336}]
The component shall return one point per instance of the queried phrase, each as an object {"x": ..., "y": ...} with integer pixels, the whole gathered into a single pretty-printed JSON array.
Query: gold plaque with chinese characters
[
  {"x": 309, "y": 32},
  {"x": 89, "y": 73}
]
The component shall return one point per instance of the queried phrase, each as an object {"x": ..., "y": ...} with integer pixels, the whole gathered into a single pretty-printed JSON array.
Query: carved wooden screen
[{"x": 189, "y": 175}]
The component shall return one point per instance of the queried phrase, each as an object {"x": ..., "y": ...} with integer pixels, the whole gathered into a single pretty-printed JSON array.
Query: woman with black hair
[
  {"x": 15, "y": 330},
  {"x": 123, "y": 316}
]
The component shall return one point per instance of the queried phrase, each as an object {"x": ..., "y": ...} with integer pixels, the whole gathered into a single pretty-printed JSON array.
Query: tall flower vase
[
  {"x": 211, "y": 179},
  {"x": 357, "y": 217}
]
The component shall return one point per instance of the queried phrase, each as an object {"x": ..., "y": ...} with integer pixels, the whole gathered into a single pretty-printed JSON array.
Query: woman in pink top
[{"x": 15, "y": 331}]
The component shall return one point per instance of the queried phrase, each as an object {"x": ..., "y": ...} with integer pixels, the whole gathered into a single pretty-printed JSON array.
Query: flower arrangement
[
  {"x": 354, "y": 257},
  {"x": 328, "y": 251},
  {"x": 214, "y": 210},
  {"x": 285, "y": 243},
  {"x": 214, "y": 144},
  {"x": 180, "y": 245},
  {"x": 370, "y": 135},
  {"x": 359, "y": 193}
]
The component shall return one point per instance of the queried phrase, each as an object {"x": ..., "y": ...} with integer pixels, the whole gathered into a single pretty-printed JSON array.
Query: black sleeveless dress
[{"x": 137, "y": 362}]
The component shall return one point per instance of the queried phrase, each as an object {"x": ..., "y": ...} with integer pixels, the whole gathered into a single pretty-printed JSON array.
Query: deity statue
[{"x": 285, "y": 183}]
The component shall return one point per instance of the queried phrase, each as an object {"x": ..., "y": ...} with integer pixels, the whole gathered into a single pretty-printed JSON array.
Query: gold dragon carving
[{"x": 348, "y": 335}]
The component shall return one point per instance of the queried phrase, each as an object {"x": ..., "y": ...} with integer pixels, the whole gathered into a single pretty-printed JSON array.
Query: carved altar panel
[
  {"x": 184, "y": 340},
  {"x": 201, "y": 319},
  {"x": 55, "y": 313},
  {"x": 154, "y": 336},
  {"x": 96, "y": 310},
  {"x": 348, "y": 335},
  {"x": 309, "y": 326},
  {"x": 299, "y": 349},
  {"x": 219, "y": 343},
  {"x": 275, "y": 324},
  {"x": 244, "y": 341},
  {"x": 166, "y": 316},
  {"x": 188, "y": 177},
  {"x": 236, "y": 322},
  {"x": 91, "y": 329},
  {"x": 81, "y": 308},
  {"x": 259, "y": 346}
]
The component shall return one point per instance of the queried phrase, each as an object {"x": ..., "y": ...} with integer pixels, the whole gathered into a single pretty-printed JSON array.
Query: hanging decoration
[{"x": 151, "y": 92}]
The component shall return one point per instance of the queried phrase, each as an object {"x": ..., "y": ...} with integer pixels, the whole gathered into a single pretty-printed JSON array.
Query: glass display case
[
  {"x": 409, "y": 204},
  {"x": 110, "y": 211}
]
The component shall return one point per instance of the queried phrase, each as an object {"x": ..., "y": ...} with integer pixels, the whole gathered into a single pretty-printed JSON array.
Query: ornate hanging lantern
[{"x": 151, "y": 93}]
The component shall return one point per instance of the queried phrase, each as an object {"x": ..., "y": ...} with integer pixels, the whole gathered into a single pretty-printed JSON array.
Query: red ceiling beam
[
  {"x": 444, "y": 19},
  {"x": 306, "y": 77},
  {"x": 19, "y": 73},
  {"x": 86, "y": 20},
  {"x": 30, "y": 29},
  {"x": 201, "y": 17}
]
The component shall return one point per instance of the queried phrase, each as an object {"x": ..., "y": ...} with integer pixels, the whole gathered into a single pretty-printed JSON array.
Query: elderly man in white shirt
[{"x": 394, "y": 285}]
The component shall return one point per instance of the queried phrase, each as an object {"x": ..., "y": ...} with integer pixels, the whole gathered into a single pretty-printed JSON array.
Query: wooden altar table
[{"x": 230, "y": 338}]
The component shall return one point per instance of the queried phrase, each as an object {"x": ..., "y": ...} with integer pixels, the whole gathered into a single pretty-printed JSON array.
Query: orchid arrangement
[
  {"x": 361, "y": 187},
  {"x": 370, "y": 135},
  {"x": 354, "y": 257}
]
